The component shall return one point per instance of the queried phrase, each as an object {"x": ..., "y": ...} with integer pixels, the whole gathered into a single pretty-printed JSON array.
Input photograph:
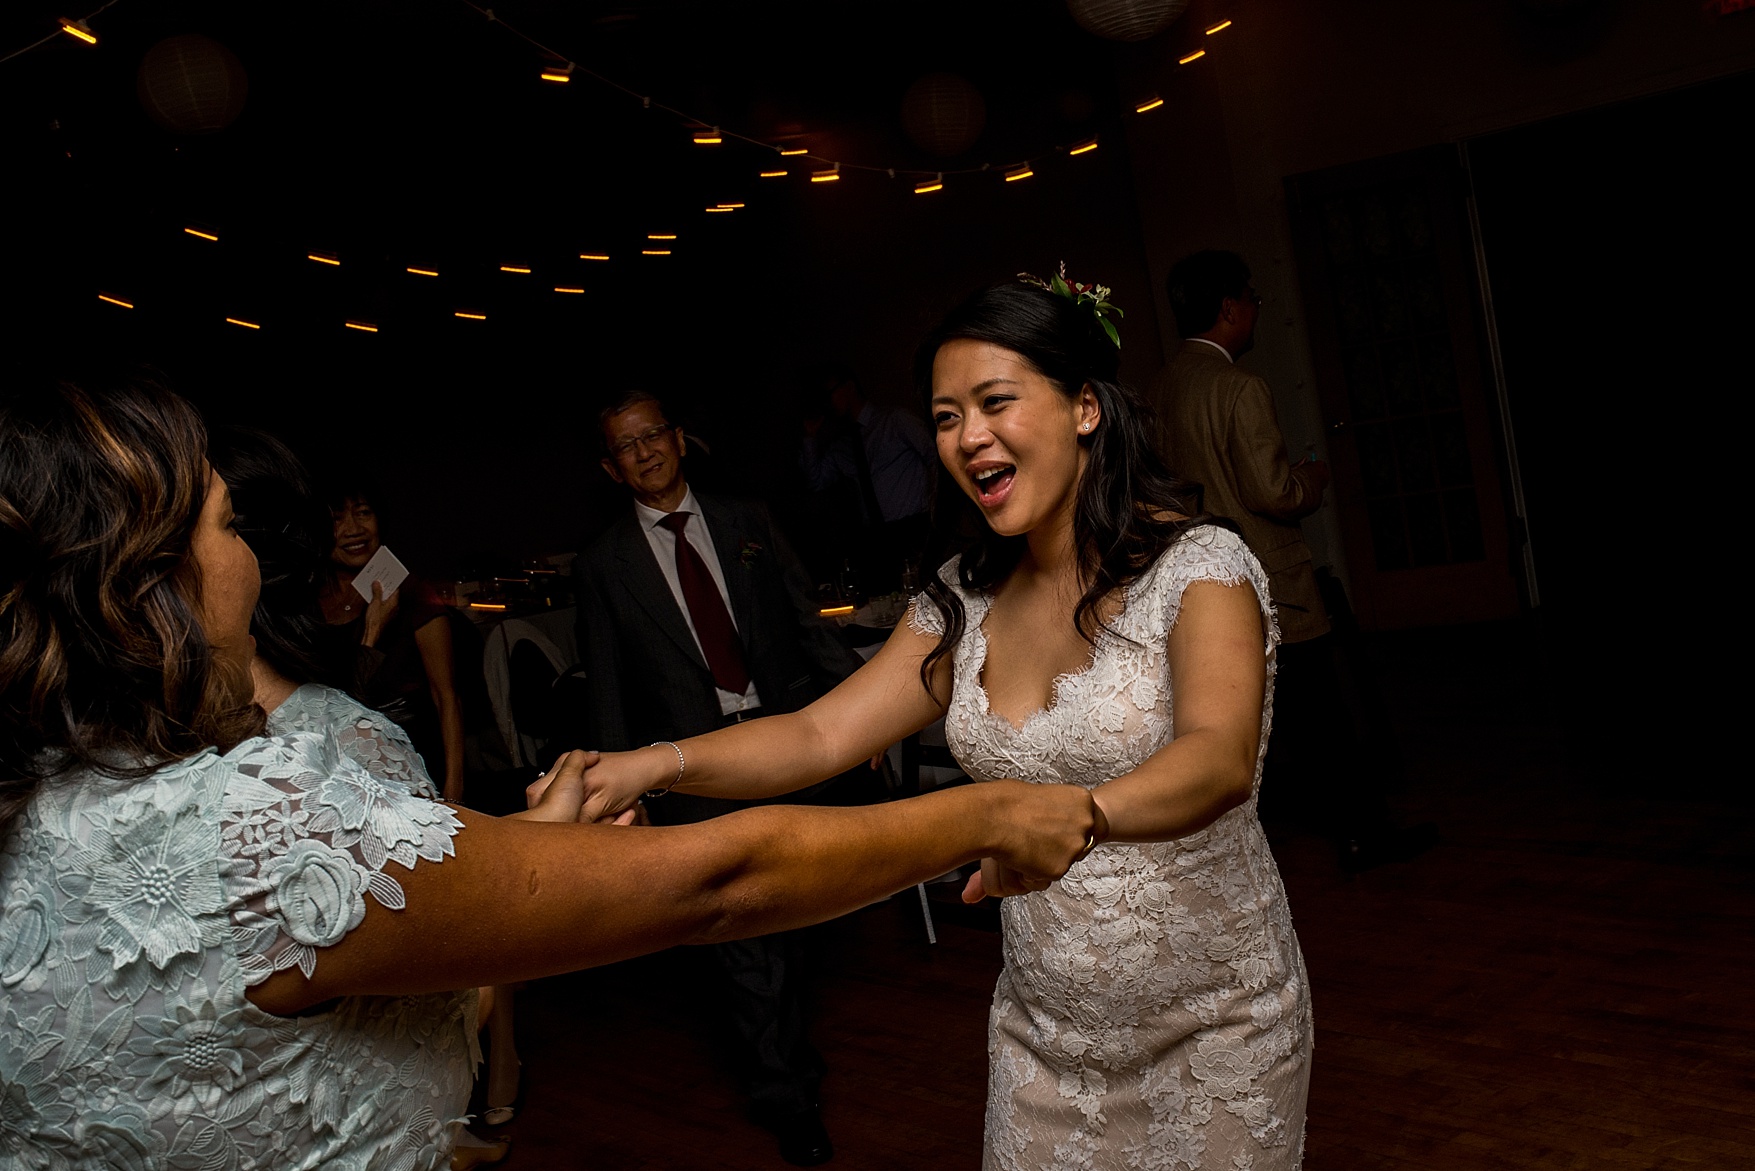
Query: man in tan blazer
[{"x": 1216, "y": 426}]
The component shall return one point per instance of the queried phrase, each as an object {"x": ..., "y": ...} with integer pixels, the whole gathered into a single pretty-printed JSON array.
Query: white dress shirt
[
  {"x": 1203, "y": 341},
  {"x": 663, "y": 543}
]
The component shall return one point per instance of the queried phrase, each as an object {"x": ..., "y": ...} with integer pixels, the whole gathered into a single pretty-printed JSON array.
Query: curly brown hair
[{"x": 103, "y": 663}]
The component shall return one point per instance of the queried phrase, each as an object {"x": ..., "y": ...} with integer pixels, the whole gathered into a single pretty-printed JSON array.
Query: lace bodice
[
  {"x": 1152, "y": 1012},
  {"x": 134, "y": 915},
  {"x": 375, "y": 743}
]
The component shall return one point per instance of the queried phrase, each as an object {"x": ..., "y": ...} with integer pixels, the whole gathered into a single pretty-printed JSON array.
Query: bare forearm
[
  {"x": 807, "y": 864},
  {"x": 1183, "y": 788},
  {"x": 762, "y": 758},
  {"x": 520, "y": 901}
]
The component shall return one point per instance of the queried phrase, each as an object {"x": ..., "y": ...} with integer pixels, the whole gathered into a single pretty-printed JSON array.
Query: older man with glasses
[{"x": 695, "y": 614}]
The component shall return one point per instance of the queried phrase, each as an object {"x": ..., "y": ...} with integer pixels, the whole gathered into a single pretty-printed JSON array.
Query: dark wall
[{"x": 1618, "y": 247}]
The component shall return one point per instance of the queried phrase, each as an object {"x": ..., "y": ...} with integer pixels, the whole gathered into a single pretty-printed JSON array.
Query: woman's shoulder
[
  {"x": 1202, "y": 553},
  {"x": 1204, "y": 547},
  {"x": 369, "y": 738},
  {"x": 421, "y": 603},
  {"x": 925, "y": 614}
]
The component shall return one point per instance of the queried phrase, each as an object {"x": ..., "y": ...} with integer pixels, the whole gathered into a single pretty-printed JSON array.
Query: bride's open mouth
[{"x": 993, "y": 485}]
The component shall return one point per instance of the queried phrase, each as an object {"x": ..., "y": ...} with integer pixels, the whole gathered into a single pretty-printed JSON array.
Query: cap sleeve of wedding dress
[
  {"x": 924, "y": 616},
  {"x": 1210, "y": 554}
]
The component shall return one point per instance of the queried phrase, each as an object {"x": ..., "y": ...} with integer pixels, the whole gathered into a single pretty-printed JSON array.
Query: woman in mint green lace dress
[{"x": 222, "y": 950}]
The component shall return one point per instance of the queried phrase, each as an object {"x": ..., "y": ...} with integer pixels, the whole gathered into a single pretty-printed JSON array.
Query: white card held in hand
[{"x": 384, "y": 568}]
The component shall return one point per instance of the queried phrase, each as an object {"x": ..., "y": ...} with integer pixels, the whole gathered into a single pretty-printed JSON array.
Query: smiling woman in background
[{"x": 394, "y": 653}]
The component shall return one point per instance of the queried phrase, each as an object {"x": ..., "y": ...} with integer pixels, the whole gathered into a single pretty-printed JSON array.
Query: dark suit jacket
[{"x": 645, "y": 676}]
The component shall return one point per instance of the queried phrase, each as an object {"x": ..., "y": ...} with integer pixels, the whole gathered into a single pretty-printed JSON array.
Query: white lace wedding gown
[{"x": 1153, "y": 1011}]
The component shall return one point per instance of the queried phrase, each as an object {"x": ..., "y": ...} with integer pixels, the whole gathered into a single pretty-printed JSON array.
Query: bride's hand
[
  {"x": 1050, "y": 827},
  {"x": 558, "y": 794},
  {"x": 615, "y": 784}
]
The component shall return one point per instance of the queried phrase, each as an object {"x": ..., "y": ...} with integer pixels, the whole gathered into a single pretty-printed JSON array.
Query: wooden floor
[{"x": 1563, "y": 982}]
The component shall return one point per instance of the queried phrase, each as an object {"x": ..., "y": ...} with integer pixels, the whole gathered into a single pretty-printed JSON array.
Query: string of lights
[
  {"x": 79, "y": 30},
  {"x": 558, "y": 68}
]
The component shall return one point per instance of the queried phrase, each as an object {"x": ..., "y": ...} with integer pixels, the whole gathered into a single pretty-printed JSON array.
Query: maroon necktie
[{"x": 707, "y": 611}]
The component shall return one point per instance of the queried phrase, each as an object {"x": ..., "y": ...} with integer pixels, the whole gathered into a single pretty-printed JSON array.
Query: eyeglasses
[{"x": 648, "y": 437}]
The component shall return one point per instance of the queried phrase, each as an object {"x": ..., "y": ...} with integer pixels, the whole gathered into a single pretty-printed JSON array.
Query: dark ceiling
[{"x": 394, "y": 133}]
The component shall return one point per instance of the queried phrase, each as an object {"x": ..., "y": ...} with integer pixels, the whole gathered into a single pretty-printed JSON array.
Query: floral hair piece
[{"x": 1095, "y": 297}]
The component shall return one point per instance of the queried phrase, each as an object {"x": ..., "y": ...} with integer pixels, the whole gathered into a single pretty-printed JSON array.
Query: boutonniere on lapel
[{"x": 751, "y": 551}]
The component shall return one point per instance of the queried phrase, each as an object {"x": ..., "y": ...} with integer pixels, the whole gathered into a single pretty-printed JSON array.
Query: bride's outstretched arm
[{"x": 875, "y": 707}]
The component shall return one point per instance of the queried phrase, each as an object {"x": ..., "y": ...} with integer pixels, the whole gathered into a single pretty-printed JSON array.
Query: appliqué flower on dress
[
  {"x": 133, "y": 915},
  {"x": 194, "y": 1057},
  {"x": 319, "y": 894},
  {"x": 154, "y": 887}
]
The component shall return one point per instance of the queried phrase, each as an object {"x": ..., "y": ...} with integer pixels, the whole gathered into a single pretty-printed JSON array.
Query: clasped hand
[{"x": 561, "y": 794}]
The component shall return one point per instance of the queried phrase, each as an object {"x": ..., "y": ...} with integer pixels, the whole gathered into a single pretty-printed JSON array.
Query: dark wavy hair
[
  {"x": 103, "y": 663},
  {"x": 290, "y": 532},
  {"x": 1129, "y": 509}
]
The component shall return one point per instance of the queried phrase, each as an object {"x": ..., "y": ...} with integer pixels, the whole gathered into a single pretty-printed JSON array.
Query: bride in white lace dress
[{"x": 1153, "y": 1012}]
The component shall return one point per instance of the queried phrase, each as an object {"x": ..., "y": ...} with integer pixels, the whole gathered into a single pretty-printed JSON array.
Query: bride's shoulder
[{"x": 1203, "y": 552}]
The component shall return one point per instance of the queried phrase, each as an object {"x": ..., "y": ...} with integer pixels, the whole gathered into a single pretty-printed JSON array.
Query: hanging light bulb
[
  {"x": 934, "y": 184},
  {"x": 518, "y": 268},
  {"x": 201, "y": 234},
  {"x": 730, "y": 206},
  {"x": 790, "y": 151},
  {"x": 362, "y": 326},
  {"x": 832, "y": 175},
  {"x": 423, "y": 271},
  {"x": 242, "y": 322},
  {"x": 78, "y": 30},
  {"x": 1151, "y": 103},
  {"x": 564, "y": 289},
  {"x": 468, "y": 316},
  {"x": 1019, "y": 172},
  {"x": 1194, "y": 56},
  {"x": 115, "y": 300},
  {"x": 560, "y": 74},
  {"x": 328, "y": 258},
  {"x": 721, "y": 208},
  {"x": 1219, "y": 28},
  {"x": 661, "y": 235},
  {"x": 709, "y": 137},
  {"x": 1084, "y": 148},
  {"x": 654, "y": 252},
  {"x": 773, "y": 174}
]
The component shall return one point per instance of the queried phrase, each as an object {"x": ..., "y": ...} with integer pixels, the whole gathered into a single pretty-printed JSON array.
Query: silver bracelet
[{"x": 681, "y": 765}]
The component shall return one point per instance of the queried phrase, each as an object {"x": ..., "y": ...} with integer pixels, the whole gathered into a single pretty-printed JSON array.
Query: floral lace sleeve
[
  {"x": 308, "y": 833},
  {"x": 923, "y": 615},
  {"x": 1210, "y": 553},
  {"x": 374, "y": 742}
]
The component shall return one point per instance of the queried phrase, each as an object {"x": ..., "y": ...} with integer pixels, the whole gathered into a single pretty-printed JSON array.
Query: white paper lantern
[
  {"x": 1125, "y": 20},
  {"x": 192, "y": 84},
  {"x": 943, "y": 114}
]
